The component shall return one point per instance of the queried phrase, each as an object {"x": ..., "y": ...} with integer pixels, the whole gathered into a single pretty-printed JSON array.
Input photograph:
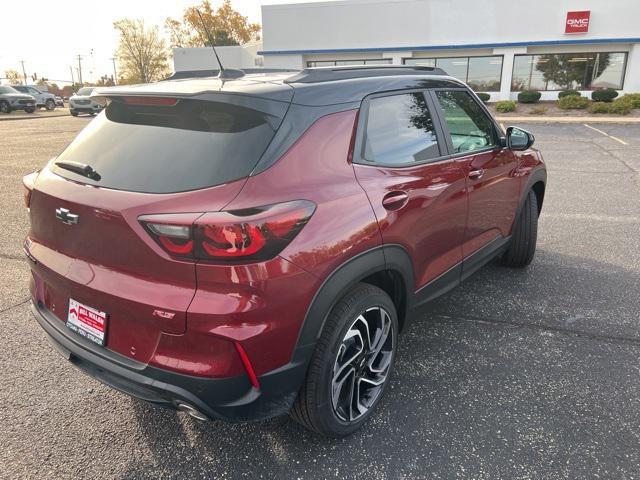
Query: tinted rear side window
[
  {"x": 191, "y": 145},
  {"x": 400, "y": 130}
]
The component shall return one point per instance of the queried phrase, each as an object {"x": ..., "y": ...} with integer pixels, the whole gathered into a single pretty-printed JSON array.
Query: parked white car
[
  {"x": 80, "y": 102},
  {"x": 43, "y": 99},
  {"x": 11, "y": 99}
]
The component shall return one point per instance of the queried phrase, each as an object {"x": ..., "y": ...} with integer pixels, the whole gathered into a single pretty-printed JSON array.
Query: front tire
[
  {"x": 524, "y": 236},
  {"x": 351, "y": 364},
  {"x": 73, "y": 113},
  {"x": 50, "y": 105},
  {"x": 30, "y": 110}
]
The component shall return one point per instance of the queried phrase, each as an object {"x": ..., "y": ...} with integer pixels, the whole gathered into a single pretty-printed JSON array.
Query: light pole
[
  {"x": 24, "y": 72},
  {"x": 80, "y": 69},
  {"x": 115, "y": 73}
]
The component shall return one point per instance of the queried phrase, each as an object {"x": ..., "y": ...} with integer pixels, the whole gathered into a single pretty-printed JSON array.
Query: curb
[
  {"x": 8, "y": 118},
  {"x": 534, "y": 119}
]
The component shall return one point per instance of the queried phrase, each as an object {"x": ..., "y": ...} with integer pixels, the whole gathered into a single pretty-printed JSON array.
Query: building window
[
  {"x": 578, "y": 71},
  {"x": 335, "y": 63},
  {"x": 482, "y": 74}
]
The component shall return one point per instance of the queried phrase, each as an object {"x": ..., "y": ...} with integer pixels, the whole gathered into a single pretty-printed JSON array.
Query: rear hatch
[{"x": 148, "y": 155}]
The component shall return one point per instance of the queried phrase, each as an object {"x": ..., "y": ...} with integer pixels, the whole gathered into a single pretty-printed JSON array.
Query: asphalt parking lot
[{"x": 515, "y": 375}]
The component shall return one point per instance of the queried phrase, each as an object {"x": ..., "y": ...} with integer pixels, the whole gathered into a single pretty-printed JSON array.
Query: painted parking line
[
  {"x": 626, "y": 219},
  {"x": 606, "y": 134}
]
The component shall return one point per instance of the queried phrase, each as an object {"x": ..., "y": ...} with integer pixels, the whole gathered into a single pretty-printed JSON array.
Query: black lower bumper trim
[{"x": 231, "y": 399}]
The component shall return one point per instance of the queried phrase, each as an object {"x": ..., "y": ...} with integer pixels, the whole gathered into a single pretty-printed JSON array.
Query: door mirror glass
[{"x": 519, "y": 139}]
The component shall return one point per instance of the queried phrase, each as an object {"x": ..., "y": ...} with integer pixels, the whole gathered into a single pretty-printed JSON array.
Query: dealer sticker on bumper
[{"x": 87, "y": 321}]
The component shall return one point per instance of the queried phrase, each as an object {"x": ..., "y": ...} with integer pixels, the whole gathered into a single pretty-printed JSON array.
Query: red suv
[{"x": 242, "y": 248}]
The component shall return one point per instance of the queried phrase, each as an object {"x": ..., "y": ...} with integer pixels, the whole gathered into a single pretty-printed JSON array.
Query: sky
[{"x": 57, "y": 32}]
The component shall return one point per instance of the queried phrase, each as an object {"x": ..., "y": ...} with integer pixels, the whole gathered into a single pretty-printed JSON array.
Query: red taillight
[
  {"x": 28, "y": 181},
  {"x": 172, "y": 231},
  {"x": 254, "y": 234},
  {"x": 154, "y": 101}
]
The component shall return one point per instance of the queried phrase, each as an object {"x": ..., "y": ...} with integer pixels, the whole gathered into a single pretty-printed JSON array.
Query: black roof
[{"x": 312, "y": 86}]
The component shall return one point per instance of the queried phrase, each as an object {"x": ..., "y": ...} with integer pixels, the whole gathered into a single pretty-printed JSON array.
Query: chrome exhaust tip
[{"x": 197, "y": 414}]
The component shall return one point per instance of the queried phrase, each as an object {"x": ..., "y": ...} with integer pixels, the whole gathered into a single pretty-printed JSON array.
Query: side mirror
[{"x": 519, "y": 139}]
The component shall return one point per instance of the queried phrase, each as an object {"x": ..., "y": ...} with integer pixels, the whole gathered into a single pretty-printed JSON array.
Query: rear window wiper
[{"x": 80, "y": 169}]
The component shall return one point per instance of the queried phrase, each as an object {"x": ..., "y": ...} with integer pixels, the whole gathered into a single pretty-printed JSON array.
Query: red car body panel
[
  {"x": 431, "y": 224},
  {"x": 493, "y": 197},
  {"x": 316, "y": 168}
]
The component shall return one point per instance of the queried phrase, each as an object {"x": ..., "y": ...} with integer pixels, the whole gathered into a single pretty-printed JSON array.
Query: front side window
[
  {"x": 33, "y": 91},
  {"x": 400, "y": 131},
  {"x": 580, "y": 71},
  {"x": 469, "y": 126}
]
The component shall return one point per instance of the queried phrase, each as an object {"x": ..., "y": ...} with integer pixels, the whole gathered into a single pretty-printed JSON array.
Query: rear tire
[
  {"x": 348, "y": 372},
  {"x": 5, "y": 107},
  {"x": 525, "y": 234},
  {"x": 50, "y": 105}
]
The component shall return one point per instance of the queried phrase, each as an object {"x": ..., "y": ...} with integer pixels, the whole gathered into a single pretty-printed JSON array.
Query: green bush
[
  {"x": 604, "y": 95},
  {"x": 600, "y": 107},
  {"x": 620, "y": 106},
  {"x": 529, "y": 96},
  {"x": 573, "y": 103},
  {"x": 569, "y": 93},
  {"x": 506, "y": 106},
  {"x": 632, "y": 98},
  {"x": 484, "y": 97}
]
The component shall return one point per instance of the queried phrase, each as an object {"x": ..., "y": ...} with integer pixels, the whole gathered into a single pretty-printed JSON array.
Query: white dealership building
[{"x": 496, "y": 46}]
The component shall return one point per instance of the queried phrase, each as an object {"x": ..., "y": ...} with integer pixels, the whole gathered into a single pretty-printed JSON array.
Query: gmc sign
[{"x": 577, "y": 22}]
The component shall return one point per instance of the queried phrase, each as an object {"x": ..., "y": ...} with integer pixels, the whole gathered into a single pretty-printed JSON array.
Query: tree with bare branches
[{"x": 142, "y": 53}]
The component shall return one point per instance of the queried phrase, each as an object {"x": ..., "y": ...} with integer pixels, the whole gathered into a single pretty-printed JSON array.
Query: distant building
[
  {"x": 499, "y": 46},
  {"x": 203, "y": 58}
]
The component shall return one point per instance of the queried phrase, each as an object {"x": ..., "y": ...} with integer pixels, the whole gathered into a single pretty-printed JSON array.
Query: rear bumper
[{"x": 231, "y": 399}]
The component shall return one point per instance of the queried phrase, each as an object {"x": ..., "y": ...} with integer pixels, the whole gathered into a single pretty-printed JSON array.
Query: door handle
[
  {"x": 476, "y": 174},
  {"x": 395, "y": 200}
]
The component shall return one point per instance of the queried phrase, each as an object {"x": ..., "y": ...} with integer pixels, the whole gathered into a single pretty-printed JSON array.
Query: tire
[
  {"x": 525, "y": 234},
  {"x": 5, "y": 107},
  {"x": 75, "y": 114},
  {"x": 50, "y": 105},
  {"x": 335, "y": 365},
  {"x": 30, "y": 110}
]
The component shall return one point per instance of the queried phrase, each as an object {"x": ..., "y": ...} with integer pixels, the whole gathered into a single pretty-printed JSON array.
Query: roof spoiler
[{"x": 328, "y": 74}]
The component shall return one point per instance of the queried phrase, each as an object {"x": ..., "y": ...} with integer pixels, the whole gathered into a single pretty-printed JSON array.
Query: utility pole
[
  {"x": 24, "y": 72},
  {"x": 80, "y": 69},
  {"x": 71, "y": 71},
  {"x": 115, "y": 74}
]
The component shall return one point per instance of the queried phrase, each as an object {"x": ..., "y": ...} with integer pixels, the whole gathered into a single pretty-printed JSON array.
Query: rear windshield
[{"x": 191, "y": 145}]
